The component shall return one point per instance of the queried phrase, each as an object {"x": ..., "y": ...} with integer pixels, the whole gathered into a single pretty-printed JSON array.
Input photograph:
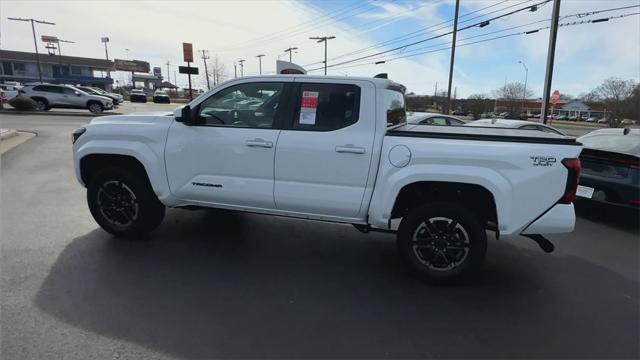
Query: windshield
[{"x": 629, "y": 144}]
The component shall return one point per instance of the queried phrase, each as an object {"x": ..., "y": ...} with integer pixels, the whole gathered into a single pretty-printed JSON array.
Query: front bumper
[{"x": 561, "y": 218}]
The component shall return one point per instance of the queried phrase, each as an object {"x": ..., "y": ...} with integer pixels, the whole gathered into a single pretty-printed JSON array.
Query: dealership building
[
  {"x": 571, "y": 108},
  {"x": 22, "y": 67}
]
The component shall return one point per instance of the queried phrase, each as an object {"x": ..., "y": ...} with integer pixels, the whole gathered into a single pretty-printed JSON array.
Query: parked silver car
[{"x": 48, "y": 96}]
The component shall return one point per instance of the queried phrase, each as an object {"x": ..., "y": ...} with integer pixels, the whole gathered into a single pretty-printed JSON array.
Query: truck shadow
[
  {"x": 221, "y": 284},
  {"x": 622, "y": 218}
]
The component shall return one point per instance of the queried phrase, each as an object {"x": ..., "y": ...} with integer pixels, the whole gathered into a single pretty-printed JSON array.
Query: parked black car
[
  {"x": 611, "y": 167},
  {"x": 161, "y": 97},
  {"x": 117, "y": 99},
  {"x": 137, "y": 95}
]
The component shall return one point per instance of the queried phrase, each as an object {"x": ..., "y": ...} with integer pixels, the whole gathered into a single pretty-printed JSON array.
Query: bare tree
[
  {"x": 512, "y": 94},
  {"x": 478, "y": 104},
  {"x": 618, "y": 96},
  {"x": 591, "y": 96},
  {"x": 218, "y": 71}
]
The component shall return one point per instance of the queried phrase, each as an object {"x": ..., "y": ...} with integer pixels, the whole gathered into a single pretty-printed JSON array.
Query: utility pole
[
  {"x": 453, "y": 55},
  {"x": 35, "y": 43},
  {"x": 168, "y": 74},
  {"x": 235, "y": 70},
  {"x": 323, "y": 39},
  {"x": 553, "y": 34},
  {"x": 241, "y": 61},
  {"x": 205, "y": 57},
  {"x": 290, "y": 50},
  {"x": 524, "y": 92},
  {"x": 260, "y": 61}
]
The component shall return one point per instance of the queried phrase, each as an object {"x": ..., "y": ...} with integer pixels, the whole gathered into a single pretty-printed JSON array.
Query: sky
[{"x": 153, "y": 31}]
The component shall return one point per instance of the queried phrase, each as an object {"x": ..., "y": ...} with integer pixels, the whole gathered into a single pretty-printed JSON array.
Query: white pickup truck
[{"x": 333, "y": 149}]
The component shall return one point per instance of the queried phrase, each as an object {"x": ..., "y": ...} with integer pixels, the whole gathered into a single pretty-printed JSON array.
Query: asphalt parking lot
[{"x": 218, "y": 284}]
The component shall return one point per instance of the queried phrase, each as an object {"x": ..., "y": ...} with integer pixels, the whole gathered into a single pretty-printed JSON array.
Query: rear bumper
[{"x": 559, "y": 219}]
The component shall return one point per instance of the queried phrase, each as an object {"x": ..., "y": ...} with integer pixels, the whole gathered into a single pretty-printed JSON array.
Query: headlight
[{"x": 76, "y": 134}]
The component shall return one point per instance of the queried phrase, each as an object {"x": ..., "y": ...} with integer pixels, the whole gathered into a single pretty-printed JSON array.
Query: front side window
[
  {"x": 436, "y": 120},
  {"x": 394, "y": 104},
  {"x": 327, "y": 107},
  {"x": 251, "y": 105},
  {"x": 68, "y": 91}
]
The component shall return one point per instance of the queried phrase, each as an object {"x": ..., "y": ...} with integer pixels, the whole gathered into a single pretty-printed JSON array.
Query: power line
[
  {"x": 480, "y": 24},
  {"x": 582, "y": 22}
]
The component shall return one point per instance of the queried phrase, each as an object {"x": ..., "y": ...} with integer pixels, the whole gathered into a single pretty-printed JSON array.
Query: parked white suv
[
  {"x": 10, "y": 91},
  {"x": 49, "y": 96}
]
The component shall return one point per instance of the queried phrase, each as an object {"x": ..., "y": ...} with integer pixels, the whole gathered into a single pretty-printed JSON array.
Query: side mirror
[
  {"x": 184, "y": 115},
  {"x": 77, "y": 93}
]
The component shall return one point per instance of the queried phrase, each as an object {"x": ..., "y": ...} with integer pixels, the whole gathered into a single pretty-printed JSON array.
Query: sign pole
[
  {"x": 189, "y": 75},
  {"x": 553, "y": 34}
]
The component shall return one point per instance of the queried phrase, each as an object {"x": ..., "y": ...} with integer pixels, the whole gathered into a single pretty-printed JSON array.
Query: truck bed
[{"x": 481, "y": 133}]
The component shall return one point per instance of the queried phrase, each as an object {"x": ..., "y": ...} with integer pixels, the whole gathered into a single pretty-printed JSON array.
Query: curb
[
  {"x": 56, "y": 113},
  {"x": 7, "y": 133}
]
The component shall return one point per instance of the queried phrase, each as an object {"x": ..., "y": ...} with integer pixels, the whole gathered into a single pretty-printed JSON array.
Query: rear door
[
  {"x": 324, "y": 154},
  {"x": 227, "y": 158}
]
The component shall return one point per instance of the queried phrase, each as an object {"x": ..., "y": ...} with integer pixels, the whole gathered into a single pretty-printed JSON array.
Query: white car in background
[
  {"x": 515, "y": 124},
  {"x": 425, "y": 118},
  {"x": 10, "y": 91}
]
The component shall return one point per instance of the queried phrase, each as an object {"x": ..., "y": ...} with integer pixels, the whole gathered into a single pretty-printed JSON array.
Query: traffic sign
[
  {"x": 188, "y": 70},
  {"x": 555, "y": 97}
]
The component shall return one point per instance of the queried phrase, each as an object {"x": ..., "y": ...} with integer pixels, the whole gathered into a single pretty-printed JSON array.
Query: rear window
[
  {"x": 394, "y": 105},
  {"x": 628, "y": 144}
]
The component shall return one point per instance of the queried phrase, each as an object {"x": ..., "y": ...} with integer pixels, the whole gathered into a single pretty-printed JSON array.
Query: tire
[
  {"x": 123, "y": 203},
  {"x": 439, "y": 252},
  {"x": 41, "y": 104},
  {"x": 95, "y": 107}
]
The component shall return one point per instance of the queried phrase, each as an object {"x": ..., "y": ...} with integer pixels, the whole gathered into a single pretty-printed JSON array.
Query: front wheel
[
  {"x": 95, "y": 107},
  {"x": 442, "y": 241},
  {"x": 123, "y": 203}
]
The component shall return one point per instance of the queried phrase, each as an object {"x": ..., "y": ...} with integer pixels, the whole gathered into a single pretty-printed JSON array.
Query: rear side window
[
  {"x": 48, "y": 88},
  {"x": 394, "y": 105},
  {"x": 327, "y": 107}
]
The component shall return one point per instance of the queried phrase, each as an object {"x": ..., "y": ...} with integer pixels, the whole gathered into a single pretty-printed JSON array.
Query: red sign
[
  {"x": 555, "y": 97},
  {"x": 187, "y": 52},
  {"x": 309, "y": 99}
]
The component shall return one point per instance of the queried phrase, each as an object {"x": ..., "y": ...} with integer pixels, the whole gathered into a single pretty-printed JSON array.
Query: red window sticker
[{"x": 309, "y": 99}]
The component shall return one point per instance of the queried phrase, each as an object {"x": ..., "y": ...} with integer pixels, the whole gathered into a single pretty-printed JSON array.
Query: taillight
[{"x": 573, "y": 167}]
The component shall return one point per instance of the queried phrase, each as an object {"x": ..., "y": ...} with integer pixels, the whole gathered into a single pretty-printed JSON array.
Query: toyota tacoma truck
[{"x": 332, "y": 149}]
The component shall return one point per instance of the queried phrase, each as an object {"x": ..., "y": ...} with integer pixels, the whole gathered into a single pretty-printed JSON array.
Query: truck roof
[{"x": 378, "y": 82}]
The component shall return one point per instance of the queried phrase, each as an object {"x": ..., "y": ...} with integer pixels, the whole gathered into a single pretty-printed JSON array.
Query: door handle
[
  {"x": 259, "y": 143},
  {"x": 350, "y": 149}
]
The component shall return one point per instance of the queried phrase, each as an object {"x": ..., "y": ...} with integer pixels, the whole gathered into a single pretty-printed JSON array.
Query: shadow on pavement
[
  {"x": 221, "y": 284},
  {"x": 622, "y": 218}
]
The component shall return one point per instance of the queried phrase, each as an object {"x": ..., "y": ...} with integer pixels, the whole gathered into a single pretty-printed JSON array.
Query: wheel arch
[
  {"x": 92, "y": 163},
  {"x": 475, "y": 197}
]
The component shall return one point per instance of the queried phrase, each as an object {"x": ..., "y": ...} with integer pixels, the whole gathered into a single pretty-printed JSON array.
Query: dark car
[
  {"x": 161, "y": 97},
  {"x": 117, "y": 99},
  {"x": 611, "y": 167},
  {"x": 137, "y": 95}
]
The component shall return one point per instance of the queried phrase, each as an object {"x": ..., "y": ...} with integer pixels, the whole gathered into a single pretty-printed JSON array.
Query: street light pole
[
  {"x": 241, "y": 61},
  {"x": 453, "y": 55},
  {"x": 323, "y": 39},
  {"x": 290, "y": 50},
  {"x": 60, "y": 47},
  {"x": 35, "y": 43},
  {"x": 260, "y": 61},
  {"x": 526, "y": 75}
]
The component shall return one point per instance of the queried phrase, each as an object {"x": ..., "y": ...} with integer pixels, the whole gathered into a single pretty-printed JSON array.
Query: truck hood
[{"x": 136, "y": 118}]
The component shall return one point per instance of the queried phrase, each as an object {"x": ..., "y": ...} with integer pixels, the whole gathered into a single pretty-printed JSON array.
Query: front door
[
  {"x": 322, "y": 161},
  {"x": 227, "y": 158}
]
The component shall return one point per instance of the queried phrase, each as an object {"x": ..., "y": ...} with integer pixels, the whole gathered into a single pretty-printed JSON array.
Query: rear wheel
[
  {"x": 123, "y": 203},
  {"x": 442, "y": 241}
]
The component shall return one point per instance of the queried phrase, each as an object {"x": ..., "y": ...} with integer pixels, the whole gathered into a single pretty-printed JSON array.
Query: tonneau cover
[{"x": 481, "y": 133}]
